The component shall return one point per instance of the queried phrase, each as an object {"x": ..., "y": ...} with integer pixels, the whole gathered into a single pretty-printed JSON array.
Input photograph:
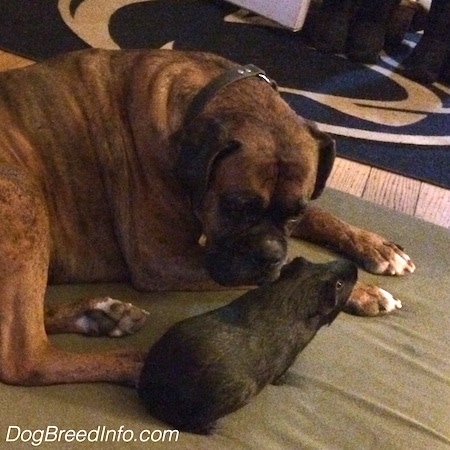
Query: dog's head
[{"x": 250, "y": 179}]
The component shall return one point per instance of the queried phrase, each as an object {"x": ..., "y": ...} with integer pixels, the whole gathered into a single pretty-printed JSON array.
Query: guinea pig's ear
[
  {"x": 327, "y": 154},
  {"x": 200, "y": 145},
  {"x": 329, "y": 297}
]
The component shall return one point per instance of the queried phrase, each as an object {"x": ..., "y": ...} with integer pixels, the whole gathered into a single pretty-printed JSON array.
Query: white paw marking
[
  {"x": 125, "y": 319},
  {"x": 84, "y": 324},
  {"x": 399, "y": 265},
  {"x": 106, "y": 304},
  {"x": 117, "y": 332},
  {"x": 124, "y": 326},
  {"x": 390, "y": 303},
  {"x": 402, "y": 264}
]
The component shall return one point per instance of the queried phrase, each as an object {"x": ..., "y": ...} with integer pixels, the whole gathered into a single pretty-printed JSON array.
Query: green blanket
[{"x": 379, "y": 383}]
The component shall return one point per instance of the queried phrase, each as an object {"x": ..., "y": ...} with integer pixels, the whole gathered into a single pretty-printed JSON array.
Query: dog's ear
[
  {"x": 201, "y": 144},
  {"x": 290, "y": 270},
  {"x": 327, "y": 154}
]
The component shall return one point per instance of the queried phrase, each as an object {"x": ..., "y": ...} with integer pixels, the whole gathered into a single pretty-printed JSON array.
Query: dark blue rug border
[{"x": 30, "y": 29}]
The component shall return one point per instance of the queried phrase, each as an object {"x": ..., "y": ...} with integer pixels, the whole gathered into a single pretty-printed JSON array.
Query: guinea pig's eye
[{"x": 339, "y": 285}]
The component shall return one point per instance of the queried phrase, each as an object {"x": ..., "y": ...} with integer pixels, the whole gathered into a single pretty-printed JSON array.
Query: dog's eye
[
  {"x": 240, "y": 204},
  {"x": 339, "y": 285},
  {"x": 293, "y": 220}
]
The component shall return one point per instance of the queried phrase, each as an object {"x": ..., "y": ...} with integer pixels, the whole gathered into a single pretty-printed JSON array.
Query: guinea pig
[{"x": 210, "y": 365}]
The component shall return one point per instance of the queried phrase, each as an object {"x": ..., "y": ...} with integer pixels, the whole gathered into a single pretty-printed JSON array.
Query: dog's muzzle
[{"x": 254, "y": 257}]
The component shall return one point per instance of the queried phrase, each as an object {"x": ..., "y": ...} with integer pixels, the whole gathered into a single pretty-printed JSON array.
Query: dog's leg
[
  {"x": 370, "y": 300},
  {"x": 26, "y": 355},
  {"x": 102, "y": 316},
  {"x": 374, "y": 253},
  {"x": 371, "y": 251}
]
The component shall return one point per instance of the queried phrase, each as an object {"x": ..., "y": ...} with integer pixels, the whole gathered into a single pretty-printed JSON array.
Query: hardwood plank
[
  {"x": 434, "y": 205},
  {"x": 349, "y": 176},
  {"x": 394, "y": 191},
  {"x": 10, "y": 61}
]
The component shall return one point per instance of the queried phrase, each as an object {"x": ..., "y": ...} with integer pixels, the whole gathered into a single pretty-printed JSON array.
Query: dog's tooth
[{"x": 202, "y": 240}]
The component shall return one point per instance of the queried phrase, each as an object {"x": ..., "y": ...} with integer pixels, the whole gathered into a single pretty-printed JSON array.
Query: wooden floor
[{"x": 399, "y": 193}]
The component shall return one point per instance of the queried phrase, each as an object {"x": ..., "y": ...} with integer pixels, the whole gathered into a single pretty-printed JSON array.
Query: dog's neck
[{"x": 217, "y": 84}]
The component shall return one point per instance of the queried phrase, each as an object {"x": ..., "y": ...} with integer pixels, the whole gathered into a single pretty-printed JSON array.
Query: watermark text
[{"x": 52, "y": 433}]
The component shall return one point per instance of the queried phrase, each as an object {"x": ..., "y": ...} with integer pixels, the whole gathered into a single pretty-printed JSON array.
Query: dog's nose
[{"x": 272, "y": 252}]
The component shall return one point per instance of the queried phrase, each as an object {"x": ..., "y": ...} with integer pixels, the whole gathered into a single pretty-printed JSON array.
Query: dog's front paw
[
  {"x": 109, "y": 317},
  {"x": 370, "y": 300},
  {"x": 379, "y": 256}
]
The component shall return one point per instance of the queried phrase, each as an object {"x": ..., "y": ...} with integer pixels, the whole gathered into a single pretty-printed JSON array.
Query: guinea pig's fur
[{"x": 210, "y": 365}]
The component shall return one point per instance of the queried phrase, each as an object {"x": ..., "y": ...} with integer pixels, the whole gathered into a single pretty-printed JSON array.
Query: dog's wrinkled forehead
[
  {"x": 277, "y": 163},
  {"x": 271, "y": 151}
]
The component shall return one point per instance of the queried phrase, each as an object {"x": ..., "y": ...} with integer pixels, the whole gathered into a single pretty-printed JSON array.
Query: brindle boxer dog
[{"x": 115, "y": 163}]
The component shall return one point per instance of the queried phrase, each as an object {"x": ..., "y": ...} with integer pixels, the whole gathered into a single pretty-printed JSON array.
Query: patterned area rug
[{"x": 376, "y": 115}]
